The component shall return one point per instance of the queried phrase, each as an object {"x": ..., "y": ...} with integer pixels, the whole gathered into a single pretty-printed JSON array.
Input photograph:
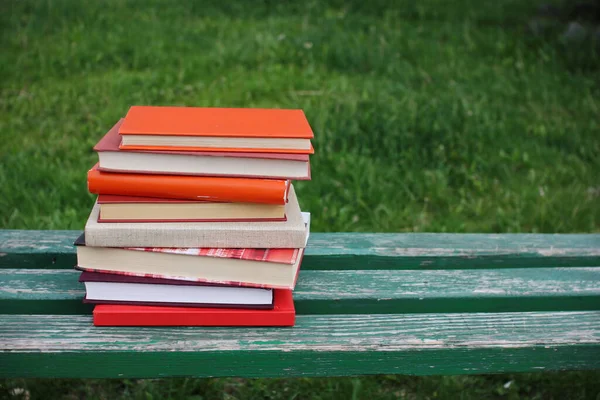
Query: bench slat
[
  {"x": 348, "y": 292},
  {"x": 359, "y": 251},
  {"x": 333, "y": 345}
]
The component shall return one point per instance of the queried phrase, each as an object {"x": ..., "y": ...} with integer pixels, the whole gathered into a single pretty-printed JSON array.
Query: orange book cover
[
  {"x": 213, "y": 122},
  {"x": 217, "y": 189}
]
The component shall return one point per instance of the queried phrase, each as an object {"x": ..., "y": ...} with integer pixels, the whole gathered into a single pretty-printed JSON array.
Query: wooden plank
[
  {"x": 33, "y": 291},
  {"x": 447, "y": 251},
  {"x": 334, "y": 345},
  {"x": 359, "y": 251},
  {"x": 37, "y": 249}
]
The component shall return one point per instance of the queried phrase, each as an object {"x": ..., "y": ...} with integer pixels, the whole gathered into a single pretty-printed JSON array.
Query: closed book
[
  {"x": 290, "y": 233},
  {"x": 259, "y": 267},
  {"x": 216, "y": 129},
  {"x": 282, "y": 314},
  {"x": 102, "y": 288},
  {"x": 198, "y": 163},
  {"x": 149, "y": 209},
  {"x": 209, "y": 188}
]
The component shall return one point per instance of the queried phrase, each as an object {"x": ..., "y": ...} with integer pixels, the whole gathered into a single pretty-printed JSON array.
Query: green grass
[
  {"x": 558, "y": 386},
  {"x": 428, "y": 116}
]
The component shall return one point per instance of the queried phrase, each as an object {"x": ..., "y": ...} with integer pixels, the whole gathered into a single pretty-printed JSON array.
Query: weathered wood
[
  {"x": 359, "y": 251},
  {"x": 33, "y": 291},
  {"x": 368, "y": 303},
  {"x": 37, "y": 249},
  {"x": 334, "y": 345}
]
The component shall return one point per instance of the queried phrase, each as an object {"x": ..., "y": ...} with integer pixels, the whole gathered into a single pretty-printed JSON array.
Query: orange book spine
[{"x": 240, "y": 190}]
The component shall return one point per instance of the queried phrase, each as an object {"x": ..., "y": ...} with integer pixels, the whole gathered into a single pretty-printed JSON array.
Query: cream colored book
[{"x": 273, "y": 234}]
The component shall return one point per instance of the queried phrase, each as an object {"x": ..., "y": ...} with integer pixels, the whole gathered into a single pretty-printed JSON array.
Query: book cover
[
  {"x": 279, "y": 256},
  {"x": 197, "y": 163},
  {"x": 111, "y": 141},
  {"x": 166, "y": 275},
  {"x": 217, "y": 189},
  {"x": 214, "y": 121},
  {"x": 276, "y": 276},
  {"x": 282, "y": 314},
  {"x": 244, "y": 268},
  {"x": 216, "y": 129},
  {"x": 178, "y": 304},
  {"x": 114, "y": 208},
  {"x": 286, "y": 234},
  {"x": 127, "y": 289},
  {"x": 87, "y": 276}
]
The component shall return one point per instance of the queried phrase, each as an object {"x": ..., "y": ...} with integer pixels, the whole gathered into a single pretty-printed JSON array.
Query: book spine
[
  {"x": 188, "y": 187},
  {"x": 114, "y": 316}
]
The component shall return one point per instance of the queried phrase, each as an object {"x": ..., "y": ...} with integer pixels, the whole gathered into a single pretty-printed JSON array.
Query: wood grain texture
[
  {"x": 333, "y": 345},
  {"x": 31, "y": 291},
  {"x": 37, "y": 249},
  {"x": 359, "y": 251},
  {"x": 368, "y": 304}
]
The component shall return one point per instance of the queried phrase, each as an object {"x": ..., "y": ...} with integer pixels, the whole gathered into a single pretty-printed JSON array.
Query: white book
[{"x": 126, "y": 292}]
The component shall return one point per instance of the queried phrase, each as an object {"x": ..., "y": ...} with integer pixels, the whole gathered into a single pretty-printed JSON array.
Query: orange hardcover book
[
  {"x": 216, "y": 129},
  {"x": 216, "y": 189}
]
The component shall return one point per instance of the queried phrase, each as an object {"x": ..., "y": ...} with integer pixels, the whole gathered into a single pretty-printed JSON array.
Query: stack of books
[{"x": 196, "y": 220}]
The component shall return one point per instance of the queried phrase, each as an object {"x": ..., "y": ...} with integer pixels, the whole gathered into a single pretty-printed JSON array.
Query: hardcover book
[
  {"x": 282, "y": 314},
  {"x": 213, "y": 163},
  {"x": 208, "y": 188},
  {"x": 149, "y": 209},
  {"x": 124, "y": 289},
  {"x": 216, "y": 129},
  {"x": 266, "y": 268},
  {"x": 280, "y": 256},
  {"x": 290, "y": 233}
]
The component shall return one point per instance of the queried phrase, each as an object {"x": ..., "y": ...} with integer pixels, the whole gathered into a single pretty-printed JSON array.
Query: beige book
[
  {"x": 273, "y": 234},
  {"x": 189, "y": 268},
  {"x": 170, "y": 211}
]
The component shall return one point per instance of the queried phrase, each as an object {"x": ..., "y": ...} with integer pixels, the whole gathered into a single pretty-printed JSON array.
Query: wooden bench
[{"x": 422, "y": 304}]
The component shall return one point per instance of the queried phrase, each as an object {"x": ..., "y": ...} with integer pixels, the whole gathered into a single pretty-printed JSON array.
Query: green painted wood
[
  {"x": 430, "y": 286},
  {"x": 359, "y": 251},
  {"x": 37, "y": 249},
  {"x": 333, "y": 345},
  {"x": 31, "y": 291}
]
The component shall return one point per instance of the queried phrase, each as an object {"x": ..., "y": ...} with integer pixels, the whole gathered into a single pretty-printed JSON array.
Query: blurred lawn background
[{"x": 433, "y": 116}]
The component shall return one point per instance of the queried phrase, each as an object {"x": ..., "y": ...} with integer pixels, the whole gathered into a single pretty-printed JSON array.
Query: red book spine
[{"x": 282, "y": 314}]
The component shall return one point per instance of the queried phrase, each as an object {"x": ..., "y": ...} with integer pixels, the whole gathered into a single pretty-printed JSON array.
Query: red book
[
  {"x": 216, "y": 129},
  {"x": 207, "y": 188},
  {"x": 214, "y": 163},
  {"x": 282, "y": 314}
]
